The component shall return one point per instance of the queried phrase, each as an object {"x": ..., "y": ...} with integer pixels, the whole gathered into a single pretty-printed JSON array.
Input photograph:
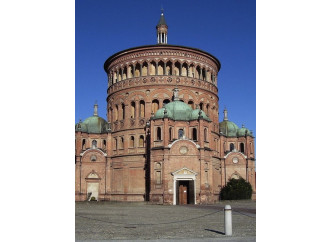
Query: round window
[{"x": 235, "y": 160}]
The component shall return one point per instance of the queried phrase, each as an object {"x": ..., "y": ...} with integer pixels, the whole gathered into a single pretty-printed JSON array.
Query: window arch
[
  {"x": 159, "y": 133},
  {"x": 144, "y": 69},
  {"x": 166, "y": 101},
  {"x": 168, "y": 68},
  {"x": 131, "y": 142},
  {"x": 123, "y": 111},
  {"x": 191, "y": 104},
  {"x": 232, "y": 146},
  {"x": 83, "y": 144},
  {"x": 133, "y": 109},
  {"x": 116, "y": 112},
  {"x": 121, "y": 145},
  {"x": 142, "y": 109},
  {"x": 115, "y": 145},
  {"x": 241, "y": 147},
  {"x": 141, "y": 141},
  {"x": 137, "y": 72},
  {"x": 194, "y": 134},
  {"x": 180, "y": 133},
  {"x": 205, "y": 134},
  {"x": 155, "y": 105},
  {"x": 104, "y": 144},
  {"x": 94, "y": 144}
]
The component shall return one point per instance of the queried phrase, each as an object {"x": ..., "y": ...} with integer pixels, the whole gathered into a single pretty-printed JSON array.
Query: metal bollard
[{"x": 228, "y": 221}]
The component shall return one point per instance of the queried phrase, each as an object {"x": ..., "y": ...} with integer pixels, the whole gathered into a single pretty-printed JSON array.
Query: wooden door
[{"x": 183, "y": 196}]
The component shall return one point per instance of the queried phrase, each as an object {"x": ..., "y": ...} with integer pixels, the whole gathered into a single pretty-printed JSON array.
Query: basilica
[{"x": 162, "y": 141}]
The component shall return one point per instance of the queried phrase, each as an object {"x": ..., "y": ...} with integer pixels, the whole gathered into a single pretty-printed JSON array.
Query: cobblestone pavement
[{"x": 139, "y": 221}]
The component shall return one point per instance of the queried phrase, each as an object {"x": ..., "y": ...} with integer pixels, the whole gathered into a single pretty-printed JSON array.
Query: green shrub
[{"x": 236, "y": 189}]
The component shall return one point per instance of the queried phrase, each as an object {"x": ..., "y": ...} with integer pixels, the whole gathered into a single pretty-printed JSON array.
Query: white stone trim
[
  {"x": 170, "y": 145},
  {"x": 83, "y": 153},
  {"x": 183, "y": 177},
  {"x": 235, "y": 151}
]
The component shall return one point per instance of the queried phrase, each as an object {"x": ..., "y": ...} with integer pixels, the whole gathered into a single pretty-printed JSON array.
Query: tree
[{"x": 236, "y": 189}]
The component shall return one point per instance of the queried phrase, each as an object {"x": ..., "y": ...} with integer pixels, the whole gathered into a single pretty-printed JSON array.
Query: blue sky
[{"x": 224, "y": 28}]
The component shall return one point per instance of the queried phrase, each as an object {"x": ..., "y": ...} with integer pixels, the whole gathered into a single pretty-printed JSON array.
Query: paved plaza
[{"x": 140, "y": 221}]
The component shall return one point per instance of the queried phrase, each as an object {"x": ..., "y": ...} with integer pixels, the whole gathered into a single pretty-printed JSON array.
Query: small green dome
[
  {"x": 228, "y": 128},
  {"x": 93, "y": 125},
  {"x": 243, "y": 131},
  {"x": 178, "y": 110},
  {"x": 195, "y": 115}
]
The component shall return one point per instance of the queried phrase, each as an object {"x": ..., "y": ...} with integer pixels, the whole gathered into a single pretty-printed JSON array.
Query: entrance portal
[{"x": 185, "y": 192}]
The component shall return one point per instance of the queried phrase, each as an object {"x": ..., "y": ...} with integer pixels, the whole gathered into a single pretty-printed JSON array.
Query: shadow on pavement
[{"x": 218, "y": 232}]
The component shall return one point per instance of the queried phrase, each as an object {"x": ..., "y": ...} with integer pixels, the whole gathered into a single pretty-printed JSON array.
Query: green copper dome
[
  {"x": 178, "y": 110},
  {"x": 243, "y": 131},
  {"x": 93, "y": 124},
  {"x": 228, "y": 128}
]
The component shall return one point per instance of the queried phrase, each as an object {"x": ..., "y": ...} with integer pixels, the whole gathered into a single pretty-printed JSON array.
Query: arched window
[
  {"x": 207, "y": 109},
  {"x": 104, "y": 144},
  {"x": 119, "y": 75},
  {"x": 194, "y": 134},
  {"x": 116, "y": 113},
  {"x": 159, "y": 133},
  {"x": 137, "y": 70},
  {"x": 132, "y": 109},
  {"x": 141, "y": 141},
  {"x": 115, "y": 144},
  {"x": 125, "y": 73},
  {"x": 191, "y": 71},
  {"x": 232, "y": 146},
  {"x": 161, "y": 68},
  {"x": 166, "y": 101},
  {"x": 180, "y": 133},
  {"x": 205, "y": 134},
  {"x": 241, "y": 147},
  {"x": 168, "y": 68},
  {"x": 121, "y": 145},
  {"x": 170, "y": 134},
  {"x": 123, "y": 113},
  {"x": 144, "y": 69},
  {"x": 177, "y": 69},
  {"x": 198, "y": 72},
  {"x": 152, "y": 68},
  {"x": 83, "y": 144},
  {"x": 155, "y": 106},
  {"x": 184, "y": 71},
  {"x": 191, "y": 104},
  {"x": 94, "y": 144},
  {"x": 201, "y": 106},
  {"x": 142, "y": 107},
  {"x": 131, "y": 142}
]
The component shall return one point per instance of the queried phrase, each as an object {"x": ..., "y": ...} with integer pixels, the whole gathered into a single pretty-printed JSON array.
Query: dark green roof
[
  {"x": 180, "y": 111},
  {"x": 93, "y": 125},
  {"x": 161, "y": 20}
]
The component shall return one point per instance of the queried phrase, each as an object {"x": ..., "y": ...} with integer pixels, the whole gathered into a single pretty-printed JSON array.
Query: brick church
[{"x": 162, "y": 141}]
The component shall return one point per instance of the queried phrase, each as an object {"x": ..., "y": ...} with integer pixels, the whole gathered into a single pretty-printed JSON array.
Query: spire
[
  {"x": 95, "y": 109},
  {"x": 162, "y": 29},
  {"x": 225, "y": 117}
]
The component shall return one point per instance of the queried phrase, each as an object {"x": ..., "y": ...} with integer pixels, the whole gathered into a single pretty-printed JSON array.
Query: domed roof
[
  {"x": 228, "y": 128},
  {"x": 178, "y": 110},
  {"x": 93, "y": 124},
  {"x": 243, "y": 131}
]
